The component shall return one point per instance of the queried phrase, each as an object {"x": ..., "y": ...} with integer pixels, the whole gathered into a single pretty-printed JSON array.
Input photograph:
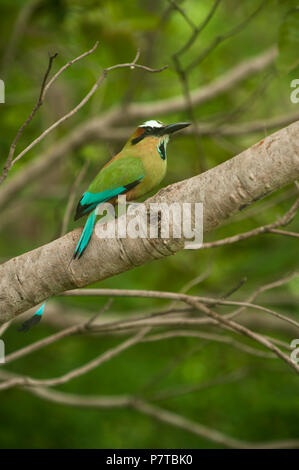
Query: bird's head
[{"x": 154, "y": 134}]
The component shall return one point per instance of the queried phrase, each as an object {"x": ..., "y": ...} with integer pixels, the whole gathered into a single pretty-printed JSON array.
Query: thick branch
[{"x": 225, "y": 189}]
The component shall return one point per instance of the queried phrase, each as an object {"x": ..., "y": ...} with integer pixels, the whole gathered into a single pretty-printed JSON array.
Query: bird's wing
[{"x": 118, "y": 177}]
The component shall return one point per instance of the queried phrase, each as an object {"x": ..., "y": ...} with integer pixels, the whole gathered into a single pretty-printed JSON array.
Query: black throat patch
[{"x": 162, "y": 150}]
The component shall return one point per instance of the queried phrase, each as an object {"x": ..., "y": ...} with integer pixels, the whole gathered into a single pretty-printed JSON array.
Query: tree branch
[
  {"x": 9, "y": 161},
  {"x": 223, "y": 37},
  {"x": 132, "y": 65},
  {"x": 111, "y": 353},
  {"x": 225, "y": 189},
  {"x": 158, "y": 413}
]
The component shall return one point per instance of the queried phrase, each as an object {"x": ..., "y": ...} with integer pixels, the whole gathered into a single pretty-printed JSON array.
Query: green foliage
[
  {"x": 264, "y": 404},
  {"x": 288, "y": 42}
]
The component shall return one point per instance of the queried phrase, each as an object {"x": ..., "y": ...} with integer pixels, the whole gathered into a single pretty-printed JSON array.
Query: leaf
[{"x": 288, "y": 42}]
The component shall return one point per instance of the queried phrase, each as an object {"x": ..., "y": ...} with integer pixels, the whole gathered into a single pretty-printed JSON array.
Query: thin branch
[
  {"x": 284, "y": 232},
  {"x": 9, "y": 161},
  {"x": 158, "y": 413},
  {"x": 82, "y": 328},
  {"x": 194, "y": 282},
  {"x": 135, "y": 321},
  {"x": 197, "y": 302},
  {"x": 132, "y": 65},
  {"x": 179, "y": 421},
  {"x": 196, "y": 29},
  {"x": 223, "y": 37},
  {"x": 170, "y": 296},
  {"x": 66, "y": 66},
  {"x": 243, "y": 331},
  {"x": 182, "y": 12},
  {"x": 210, "y": 337},
  {"x": 89, "y": 327},
  {"x": 270, "y": 228},
  {"x": 111, "y": 353},
  {"x": 264, "y": 288},
  {"x": 184, "y": 78},
  {"x": 89, "y": 323}
]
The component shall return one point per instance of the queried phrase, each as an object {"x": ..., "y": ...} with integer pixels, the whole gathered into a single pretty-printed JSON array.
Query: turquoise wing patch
[{"x": 90, "y": 201}]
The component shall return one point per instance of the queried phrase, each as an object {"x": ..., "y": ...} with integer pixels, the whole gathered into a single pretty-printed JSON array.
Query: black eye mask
[{"x": 155, "y": 131}]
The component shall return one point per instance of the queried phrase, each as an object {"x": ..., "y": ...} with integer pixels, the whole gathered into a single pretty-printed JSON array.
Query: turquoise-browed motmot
[{"x": 137, "y": 169}]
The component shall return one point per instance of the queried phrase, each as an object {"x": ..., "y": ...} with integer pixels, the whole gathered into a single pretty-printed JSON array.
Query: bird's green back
[{"x": 118, "y": 172}]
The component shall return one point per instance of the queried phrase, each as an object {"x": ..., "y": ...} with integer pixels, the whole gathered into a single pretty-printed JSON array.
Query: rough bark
[{"x": 34, "y": 276}]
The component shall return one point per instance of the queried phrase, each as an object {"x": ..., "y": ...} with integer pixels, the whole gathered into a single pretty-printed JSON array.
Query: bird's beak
[{"x": 171, "y": 128}]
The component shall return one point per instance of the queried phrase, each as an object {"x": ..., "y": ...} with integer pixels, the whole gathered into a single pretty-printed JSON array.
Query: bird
[{"x": 135, "y": 171}]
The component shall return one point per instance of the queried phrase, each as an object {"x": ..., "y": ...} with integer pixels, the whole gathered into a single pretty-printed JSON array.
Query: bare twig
[
  {"x": 207, "y": 433},
  {"x": 9, "y": 161},
  {"x": 158, "y": 413},
  {"x": 151, "y": 320},
  {"x": 244, "y": 331},
  {"x": 83, "y": 327},
  {"x": 259, "y": 290},
  {"x": 270, "y": 228},
  {"x": 28, "y": 381},
  {"x": 158, "y": 295},
  {"x": 184, "y": 78},
  {"x": 196, "y": 29},
  {"x": 44, "y": 89},
  {"x": 132, "y": 65},
  {"x": 171, "y": 296},
  {"x": 66, "y": 66},
  {"x": 284, "y": 232},
  {"x": 223, "y": 37},
  {"x": 89, "y": 323}
]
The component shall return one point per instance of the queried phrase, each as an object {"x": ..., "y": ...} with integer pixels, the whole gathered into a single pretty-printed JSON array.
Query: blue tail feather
[
  {"x": 36, "y": 318},
  {"x": 83, "y": 242},
  {"x": 86, "y": 234},
  {"x": 88, "y": 202}
]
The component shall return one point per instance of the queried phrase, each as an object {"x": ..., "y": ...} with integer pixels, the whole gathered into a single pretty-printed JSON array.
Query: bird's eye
[{"x": 147, "y": 129}]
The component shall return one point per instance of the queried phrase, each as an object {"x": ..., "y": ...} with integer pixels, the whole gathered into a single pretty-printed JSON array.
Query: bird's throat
[{"x": 162, "y": 149}]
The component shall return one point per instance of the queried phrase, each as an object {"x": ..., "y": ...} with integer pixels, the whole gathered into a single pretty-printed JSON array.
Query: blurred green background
[{"x": 263, "y": 403}]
